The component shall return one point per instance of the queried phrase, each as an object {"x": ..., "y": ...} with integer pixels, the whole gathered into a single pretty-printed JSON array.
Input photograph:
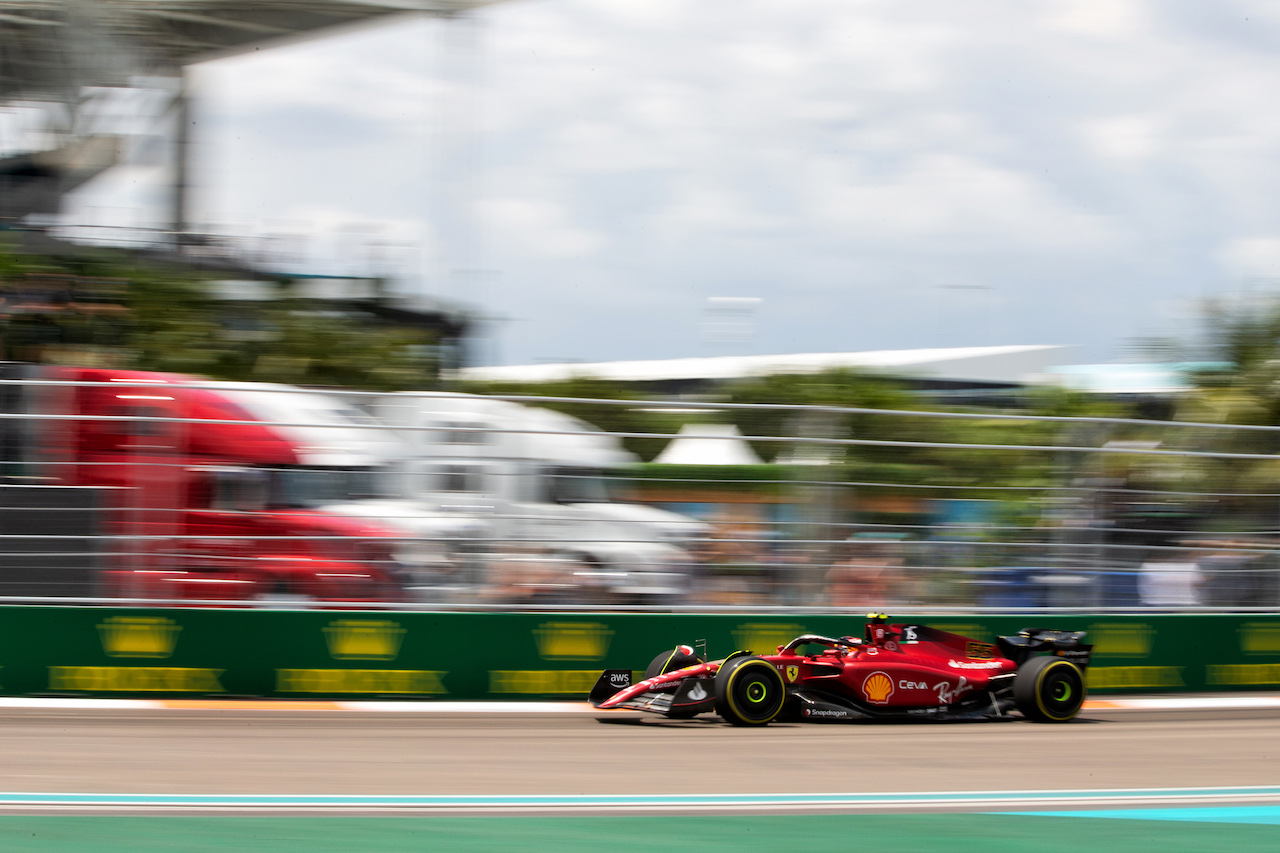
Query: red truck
[{"x": 211, "y": 501}]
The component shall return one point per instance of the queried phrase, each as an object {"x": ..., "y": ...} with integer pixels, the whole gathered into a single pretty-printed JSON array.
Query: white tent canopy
[{"x": 708, "y": 444}]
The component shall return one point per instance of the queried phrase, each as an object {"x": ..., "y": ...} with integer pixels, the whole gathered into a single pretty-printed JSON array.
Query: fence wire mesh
[{"x": 173, "y": 490}]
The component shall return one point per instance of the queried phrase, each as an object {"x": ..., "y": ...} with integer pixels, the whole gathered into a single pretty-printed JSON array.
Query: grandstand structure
[
  {"x": 81, "y": 81},
  {"x": 58, "y": 57}
]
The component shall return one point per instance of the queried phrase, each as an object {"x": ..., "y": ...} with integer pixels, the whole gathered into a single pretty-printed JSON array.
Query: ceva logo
[
  {"x": 573, "y": 640},
  {"x": 364, "y": 639},
  {"x": 138, "y": 636}
]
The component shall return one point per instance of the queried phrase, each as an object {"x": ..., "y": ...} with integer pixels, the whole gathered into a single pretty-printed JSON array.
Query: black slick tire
[
  {"x": 749, "y": 691},
  {"x": 670, "y": 661},
  {"x": 1049, "y": 689}
]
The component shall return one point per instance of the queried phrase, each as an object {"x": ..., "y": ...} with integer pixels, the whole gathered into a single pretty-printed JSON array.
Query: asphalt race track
[{"x": 245, "y": 752}]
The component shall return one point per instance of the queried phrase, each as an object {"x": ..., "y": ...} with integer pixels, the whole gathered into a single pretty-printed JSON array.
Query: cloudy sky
[{"x": 880, "y": 174}]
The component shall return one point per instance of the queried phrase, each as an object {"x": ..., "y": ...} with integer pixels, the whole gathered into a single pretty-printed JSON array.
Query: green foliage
[
  {"x": 616, "y": 418},
  {"x": 759, "y": 479},
  {"x": 1239, "y": 383},
  {"x": 841, "y": 388},
  {"x": 172, "y": 323},
  {"x": 789, "y": 401}
]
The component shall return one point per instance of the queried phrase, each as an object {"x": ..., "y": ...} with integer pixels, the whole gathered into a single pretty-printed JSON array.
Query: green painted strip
[{"x": 923, "y": 833}]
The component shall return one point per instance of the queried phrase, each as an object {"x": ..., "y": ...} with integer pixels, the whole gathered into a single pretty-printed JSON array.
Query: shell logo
[{"x": 878, "y": 688}]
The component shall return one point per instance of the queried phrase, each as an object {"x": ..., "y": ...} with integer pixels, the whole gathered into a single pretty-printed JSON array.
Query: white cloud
[
  {"x": 1251, "y": 257},
  {"x": 1097, "y": 18},
  {"x": 700, "y": 210},
  {"x": 1081, "y": 157},
  {"x": 538, "y": 227},
  {"x": 940, "y": 196},
  {"x": 1129, "y": 137}
]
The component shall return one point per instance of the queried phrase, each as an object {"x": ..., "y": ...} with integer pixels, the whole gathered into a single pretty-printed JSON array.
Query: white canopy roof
[
  {"x": 708, "y": 444},
  {"x": 1012, "y": 364}
]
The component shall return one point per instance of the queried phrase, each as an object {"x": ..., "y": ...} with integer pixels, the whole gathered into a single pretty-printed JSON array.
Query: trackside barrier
[{"x": 198, "y": 652}]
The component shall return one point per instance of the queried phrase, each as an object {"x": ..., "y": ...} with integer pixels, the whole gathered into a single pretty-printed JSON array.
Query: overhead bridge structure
[
  {"x": 56, "y": 57},
  {"x": 48, "y": 47}
]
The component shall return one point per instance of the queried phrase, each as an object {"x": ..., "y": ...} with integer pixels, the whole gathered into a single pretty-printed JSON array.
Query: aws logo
[
  {"x": 878, "y": 687},
  {"x": 138, "y": 636},
  {"x": 573, "y": 640},
  {"x": 364, "y": 639}
]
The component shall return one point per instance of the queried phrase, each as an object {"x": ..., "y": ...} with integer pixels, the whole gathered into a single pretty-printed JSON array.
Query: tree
[
  {"x": 169, "y": 321},
  {"x": 1233, "y": 363},
  {"x": 629, "y": 416}
]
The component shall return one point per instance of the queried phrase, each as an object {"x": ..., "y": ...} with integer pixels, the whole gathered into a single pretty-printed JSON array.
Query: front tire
[
  {"x": 670, "y": 661},
  {"x": 749, "y": 692},
  {"x": 1049, "y": 689}
]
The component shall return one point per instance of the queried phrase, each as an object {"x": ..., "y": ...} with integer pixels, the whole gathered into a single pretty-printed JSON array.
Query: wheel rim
[
  {"x": 753, "y": 695},
  {"x": 1061, "y": 696}
]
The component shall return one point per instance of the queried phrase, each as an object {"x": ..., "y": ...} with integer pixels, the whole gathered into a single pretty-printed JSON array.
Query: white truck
[
  {"x": 344, "y": 460},
  {"x": 538, "y": 481}
]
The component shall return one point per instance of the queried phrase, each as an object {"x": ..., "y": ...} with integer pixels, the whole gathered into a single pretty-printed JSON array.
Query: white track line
[{"x": 919, "y": 800}]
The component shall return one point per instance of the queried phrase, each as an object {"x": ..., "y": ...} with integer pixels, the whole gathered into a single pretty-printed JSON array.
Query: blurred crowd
[{"x": 738, "y": 565}]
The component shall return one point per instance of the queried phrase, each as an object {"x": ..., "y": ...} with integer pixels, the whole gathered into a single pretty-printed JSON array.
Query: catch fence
[{"x": 309, "y": 498}]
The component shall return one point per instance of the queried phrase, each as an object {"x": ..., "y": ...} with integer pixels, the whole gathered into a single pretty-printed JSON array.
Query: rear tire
[
  {"x": 749, "y": 692},
  {"x": 1049, "y": 689}
]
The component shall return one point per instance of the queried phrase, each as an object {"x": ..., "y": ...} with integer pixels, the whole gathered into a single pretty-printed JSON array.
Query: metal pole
[{"x": 179, "y": 200}]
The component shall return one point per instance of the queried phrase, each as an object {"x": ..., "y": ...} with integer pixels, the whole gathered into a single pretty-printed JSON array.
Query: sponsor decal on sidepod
[
  {"x": 948, "y": 694},
  {"x": 878, "y": 687},
  {"x": 974, "y": 664}
]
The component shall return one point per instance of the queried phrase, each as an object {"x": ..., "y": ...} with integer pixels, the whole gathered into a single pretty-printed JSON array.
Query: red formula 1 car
[{"x": 899, "y": 670}]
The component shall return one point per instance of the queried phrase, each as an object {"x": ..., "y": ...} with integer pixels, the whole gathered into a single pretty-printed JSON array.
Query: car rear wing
[{"x": 1031, "y": 642}]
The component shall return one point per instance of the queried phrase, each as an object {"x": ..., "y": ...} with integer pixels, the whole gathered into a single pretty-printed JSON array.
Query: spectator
[
  {"x": 867, "y": 575},
  {"x": 1172, "y": 581}
]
